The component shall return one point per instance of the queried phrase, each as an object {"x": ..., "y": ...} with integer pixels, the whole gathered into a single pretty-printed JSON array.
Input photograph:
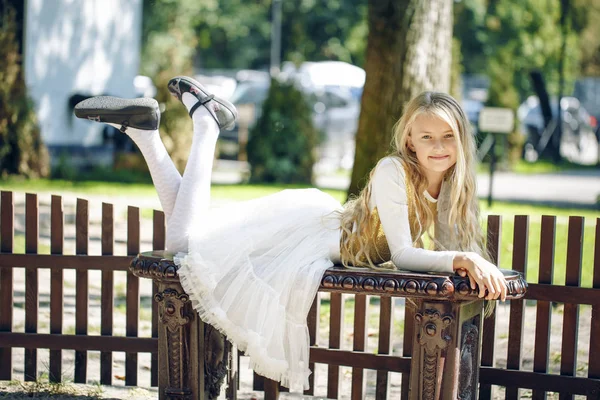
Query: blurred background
[
  {"x": 319, "y": 85},
  {"x": 538, "y": 58}
]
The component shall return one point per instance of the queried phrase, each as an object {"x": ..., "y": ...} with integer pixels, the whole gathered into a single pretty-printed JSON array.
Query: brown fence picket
[
  {"x": 543, "y": 315},
  {"x": 82, "y": 288},
  {"x": 568, "y": 359},
  {"x": 258, "y": 382},
  {"x": 133, "y": 294},
  {"x": 6, "y": 281},
  {"x": 407, "y": 344},
  {"x": 158, "y": 243},
  {"x": 594, "y": 360},
  {"x": 31, "y": 281},
  {"x": 271, "y": 389},
  {"x": 107, "y": 292},
  {"x": 336, "y": 323},
  {"x": 494, "y": 235},
  {"x": 385, "y": 334},
  {"x": 313, "y": 331},
  {"x": 359, "y": 344},
  {"x": 517, "y": 307},
  {"x": 56, "y": 284}
]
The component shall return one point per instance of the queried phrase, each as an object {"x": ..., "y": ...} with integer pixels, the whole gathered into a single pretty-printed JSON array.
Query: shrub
[{"x": 282, "y": 144}]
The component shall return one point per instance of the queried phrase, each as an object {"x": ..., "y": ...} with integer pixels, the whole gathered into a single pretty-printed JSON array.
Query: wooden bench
[{"x": 195, "y": 359}]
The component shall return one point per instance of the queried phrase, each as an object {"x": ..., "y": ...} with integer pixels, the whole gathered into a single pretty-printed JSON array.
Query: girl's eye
[
  {"x": 449, "y": 135},
  {"x": 426, "y": 137}
]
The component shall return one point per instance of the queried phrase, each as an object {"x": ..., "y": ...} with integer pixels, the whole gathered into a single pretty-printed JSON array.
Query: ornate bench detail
[{"x": 446, "y": 339}]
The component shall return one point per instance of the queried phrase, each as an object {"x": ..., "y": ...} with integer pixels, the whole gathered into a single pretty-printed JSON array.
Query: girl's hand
[{"x": 481, "y": 273}]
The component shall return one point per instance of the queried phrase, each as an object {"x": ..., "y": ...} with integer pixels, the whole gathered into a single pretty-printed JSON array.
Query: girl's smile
[
  {"x": 438, "y": 158},
  {"x": 434, "y": 143}
]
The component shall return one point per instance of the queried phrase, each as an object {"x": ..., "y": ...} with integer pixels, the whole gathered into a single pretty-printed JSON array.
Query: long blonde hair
[{"x": 463, "y": 216}]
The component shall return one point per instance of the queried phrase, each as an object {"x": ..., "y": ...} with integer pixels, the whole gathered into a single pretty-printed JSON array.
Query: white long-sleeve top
[{"x": 389, "y": 200}]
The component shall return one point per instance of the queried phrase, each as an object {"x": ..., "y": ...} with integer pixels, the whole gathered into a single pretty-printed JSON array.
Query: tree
[
  {"x": 527, "y": 36},
  {"x": 21, "y": 149},
  {"x": 408, "y": 51}
]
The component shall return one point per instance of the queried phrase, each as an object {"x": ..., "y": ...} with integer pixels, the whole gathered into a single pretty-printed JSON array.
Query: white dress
[{"x": 253, "y": 268}]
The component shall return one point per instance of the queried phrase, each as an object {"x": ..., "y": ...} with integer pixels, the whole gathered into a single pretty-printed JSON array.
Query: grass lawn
[
  {"x": 546, "y": 166},
  {"x": 67, "y": 187},
  {"x": 117, "y": 189},
  {"x": 246, "y": 192}
]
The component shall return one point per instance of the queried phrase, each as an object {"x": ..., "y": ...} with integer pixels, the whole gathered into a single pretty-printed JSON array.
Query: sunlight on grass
[
  {"x": 59, "y": 186},
  {"x": 546, "y": 167},
  {"x": 19, "y": 245},
  {"x": 218, "y": 192}
]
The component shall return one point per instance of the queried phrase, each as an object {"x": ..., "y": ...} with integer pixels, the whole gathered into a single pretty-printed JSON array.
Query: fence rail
[{"x": 327, "y": 342}]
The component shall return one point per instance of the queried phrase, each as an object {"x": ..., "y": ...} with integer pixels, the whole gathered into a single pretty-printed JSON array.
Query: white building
[{"x": 85, "y": 47}]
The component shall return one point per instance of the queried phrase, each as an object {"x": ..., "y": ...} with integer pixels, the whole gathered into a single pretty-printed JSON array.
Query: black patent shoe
[
  {"x": 141, "y": 113},
  {"x": 221, "y": 110}
]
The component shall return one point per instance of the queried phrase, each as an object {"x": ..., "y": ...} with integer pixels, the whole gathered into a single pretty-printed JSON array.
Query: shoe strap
[
  {"x": 124, "y": 126},
  {"x": 202, "y": 102}
]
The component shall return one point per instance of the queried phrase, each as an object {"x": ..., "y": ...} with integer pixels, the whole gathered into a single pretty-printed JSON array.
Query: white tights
[{"x": 183, "y": 199}]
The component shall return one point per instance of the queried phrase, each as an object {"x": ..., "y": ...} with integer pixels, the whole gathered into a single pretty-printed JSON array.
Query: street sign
[{"x": 496, "y": 120}]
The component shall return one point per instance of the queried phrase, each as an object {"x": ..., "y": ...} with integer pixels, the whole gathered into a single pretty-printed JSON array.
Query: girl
[{"x": 252, "y": 269}]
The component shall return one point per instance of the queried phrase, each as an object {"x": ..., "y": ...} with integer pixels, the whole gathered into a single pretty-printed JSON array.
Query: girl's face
[{"x": 434, "y": 143}]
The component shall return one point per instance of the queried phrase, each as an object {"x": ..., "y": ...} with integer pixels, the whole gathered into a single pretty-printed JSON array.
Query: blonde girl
[
  {"x": 252, "y": 268},
  {"x": 425, "y": 189}
]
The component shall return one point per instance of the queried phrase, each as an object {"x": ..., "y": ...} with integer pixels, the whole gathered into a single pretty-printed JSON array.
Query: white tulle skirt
[{"x": 253, "y": 269}]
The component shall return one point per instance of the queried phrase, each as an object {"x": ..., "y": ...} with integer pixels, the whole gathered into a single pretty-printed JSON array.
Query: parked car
[{"x": 578, "y": 142}]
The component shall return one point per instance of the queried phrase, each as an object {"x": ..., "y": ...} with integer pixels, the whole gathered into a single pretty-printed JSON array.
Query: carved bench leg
[
  {"x": 192, "y": 356},
  {"x": 446, "y": 346}
]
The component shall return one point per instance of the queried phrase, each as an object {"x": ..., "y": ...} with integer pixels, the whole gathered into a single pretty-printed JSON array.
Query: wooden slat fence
[
  {"x": 57, "y": 341},
  {"x": 388, "y": 350}
]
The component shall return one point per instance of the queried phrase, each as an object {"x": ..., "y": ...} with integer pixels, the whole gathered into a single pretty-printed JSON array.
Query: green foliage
[
  {"x": 282, "y": 144},
  {"x": 21, "y": 149},
  {"x": 237, "y": 33},
  {"x": 590, "y": 38},
  {"x": 509, "y": 39},
  {"x": 168, "y": 50}
]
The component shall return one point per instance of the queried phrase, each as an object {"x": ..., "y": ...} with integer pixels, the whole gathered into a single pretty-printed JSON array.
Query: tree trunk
[{"x": 409, "y": 50}]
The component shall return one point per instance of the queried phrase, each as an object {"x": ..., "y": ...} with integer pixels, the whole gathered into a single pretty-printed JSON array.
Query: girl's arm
[{"x": 389, "y": 194}]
